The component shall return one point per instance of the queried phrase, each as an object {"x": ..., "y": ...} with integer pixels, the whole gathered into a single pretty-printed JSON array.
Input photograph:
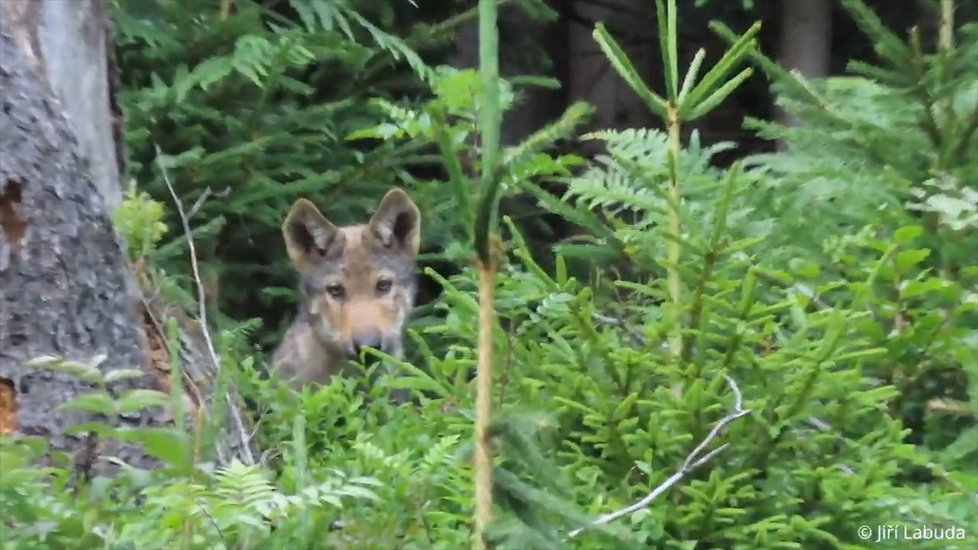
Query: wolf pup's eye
[
  {"x": 384, "y": 286},
  {"x": 335, "y": 291}
]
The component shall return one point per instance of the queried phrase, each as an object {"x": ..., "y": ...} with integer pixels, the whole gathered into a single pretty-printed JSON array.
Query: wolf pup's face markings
[{"x": 357, "y": 286}]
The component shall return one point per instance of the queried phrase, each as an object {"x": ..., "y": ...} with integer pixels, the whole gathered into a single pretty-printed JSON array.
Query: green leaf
[
  {"x": 861, "y": 354},
  {"x": 167, "y": 444},
  {"x": 97, "y": 402},
  {"x": 72, "y": 368},
  {"x": 99, "y": 428},
  {"x": 140, "y": 399},
  {"x": 416, "y": 379},
  {"x": 691, "y": 74},
  {"x": 123, "y": 374},
  {"x": 357, "y": 492},
  {"x": 905, "y": 259},
  {"x": 666, "y": 18},
  {"x": 906, "y": 235},
  {"x": 418, "y": 384},
  {"x": 711, "y": 81},
  {"x": 966, "y": 445},
  {"x": 717, "y": 97},
  {"x": 621, "y": 410},
  {"x": 911, "y": 289}
]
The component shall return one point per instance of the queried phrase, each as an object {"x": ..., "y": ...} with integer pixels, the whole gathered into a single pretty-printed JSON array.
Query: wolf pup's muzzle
[{"x": 366, "y": 339}]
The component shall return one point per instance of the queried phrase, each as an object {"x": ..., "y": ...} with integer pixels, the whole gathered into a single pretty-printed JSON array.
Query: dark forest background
[{"x": 737, "y": 309}]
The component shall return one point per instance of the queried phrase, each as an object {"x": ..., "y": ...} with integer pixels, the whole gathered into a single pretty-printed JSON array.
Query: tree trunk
[
  {"x": 806, "y": 42},
  {"x": 66, "y": 287}
]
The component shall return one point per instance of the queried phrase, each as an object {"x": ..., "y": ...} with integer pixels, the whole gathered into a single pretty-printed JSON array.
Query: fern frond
[{"x": 393, "y": 45}]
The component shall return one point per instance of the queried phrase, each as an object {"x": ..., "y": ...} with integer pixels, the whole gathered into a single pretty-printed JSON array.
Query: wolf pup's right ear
[{"x": 309, "y": 236}]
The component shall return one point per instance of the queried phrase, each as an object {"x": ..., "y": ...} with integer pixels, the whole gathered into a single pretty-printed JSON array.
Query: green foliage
[
  {"x": 693, "y": 100},
  {"x": 139, "y": 220},
  {"x": 828, "y": 313},
  {"x": 233, "y": 506},
  {"x": 449, "y": 122},
  {"x": 251, "y": 109},
  {"x": 888, "y": 153}
]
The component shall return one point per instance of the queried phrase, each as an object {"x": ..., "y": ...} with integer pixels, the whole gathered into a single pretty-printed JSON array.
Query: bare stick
[
  {"x": 946, "y": 36},
  {"x": 692, "y": 462},
  {"x": 202, "y": 308},
  {"x": 483, "y": 405}
]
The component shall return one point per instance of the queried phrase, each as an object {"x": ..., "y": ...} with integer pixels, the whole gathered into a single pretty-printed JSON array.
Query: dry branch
[{"x": 240, "y": 444}]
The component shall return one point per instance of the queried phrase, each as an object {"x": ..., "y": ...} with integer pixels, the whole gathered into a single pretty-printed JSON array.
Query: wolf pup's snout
[{"x": 365, "y": 339}]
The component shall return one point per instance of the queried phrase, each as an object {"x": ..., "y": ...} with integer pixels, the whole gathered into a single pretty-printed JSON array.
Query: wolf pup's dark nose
[{"x": 365, "y": 339}]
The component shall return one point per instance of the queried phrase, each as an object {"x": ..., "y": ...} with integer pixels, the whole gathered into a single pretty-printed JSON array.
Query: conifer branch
[{"x": 694, "y": 460}]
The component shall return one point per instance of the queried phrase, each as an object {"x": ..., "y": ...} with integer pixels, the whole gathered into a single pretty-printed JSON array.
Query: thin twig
[
  {"x": 209, "y": 192},
  {"x": 639, "y": 339},
  {"x": 202, "y": 310},
  {"x": 198, "y": 203},
  {"x": 692, "y": 462}
]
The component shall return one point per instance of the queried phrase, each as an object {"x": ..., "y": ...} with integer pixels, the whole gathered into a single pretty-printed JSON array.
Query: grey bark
[
  {"x": 806, "y": 42},
  {"x": 65, "y": 287},
  {"x": 70, "y": 46}
]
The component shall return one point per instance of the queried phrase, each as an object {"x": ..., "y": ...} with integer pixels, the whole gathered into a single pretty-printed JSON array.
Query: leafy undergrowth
[{"x": 827, "y": 311}]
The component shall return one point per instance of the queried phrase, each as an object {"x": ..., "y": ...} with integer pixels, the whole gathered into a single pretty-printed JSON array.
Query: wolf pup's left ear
[{"x": 397, "y": 222}]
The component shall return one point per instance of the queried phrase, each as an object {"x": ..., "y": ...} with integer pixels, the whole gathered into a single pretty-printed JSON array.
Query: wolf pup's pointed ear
[
  {"x": 397, "y": 222},
  {"x": 309, "y": 236}
]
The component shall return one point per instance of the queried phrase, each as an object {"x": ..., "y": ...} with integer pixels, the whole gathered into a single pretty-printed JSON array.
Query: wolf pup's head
[{"x": 358, "y": 282}]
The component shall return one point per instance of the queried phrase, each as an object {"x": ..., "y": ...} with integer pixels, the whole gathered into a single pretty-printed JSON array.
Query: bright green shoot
[
  {"x": 687, "y": 102},
  {"x": 693, "y": 100}
]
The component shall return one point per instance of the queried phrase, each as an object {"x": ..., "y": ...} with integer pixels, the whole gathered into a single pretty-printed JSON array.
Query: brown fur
[{"x": 357, "y": 286}]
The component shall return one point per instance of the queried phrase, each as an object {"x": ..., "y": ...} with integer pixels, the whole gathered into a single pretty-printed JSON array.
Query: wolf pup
[{"x": 356, "y": 283}]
